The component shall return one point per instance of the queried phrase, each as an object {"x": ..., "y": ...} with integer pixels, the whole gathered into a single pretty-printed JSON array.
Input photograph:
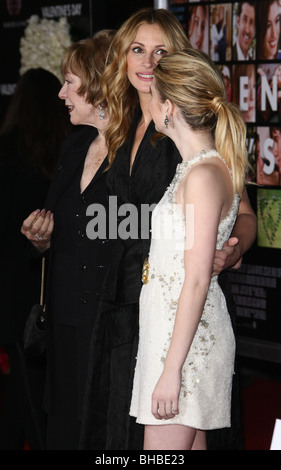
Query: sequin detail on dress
[{"x": 205, "y": 394}]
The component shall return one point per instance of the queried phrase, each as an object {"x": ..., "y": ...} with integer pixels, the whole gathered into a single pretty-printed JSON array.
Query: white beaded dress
[{"x": 205, "y": 395}]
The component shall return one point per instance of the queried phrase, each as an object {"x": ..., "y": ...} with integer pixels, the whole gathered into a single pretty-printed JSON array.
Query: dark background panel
[{"x": 84, "y": 17}]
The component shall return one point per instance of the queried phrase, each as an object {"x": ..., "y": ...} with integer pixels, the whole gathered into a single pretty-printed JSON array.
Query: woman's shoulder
[
  {"x": 209, "y": 179},
  {"x": 208, "y": 167}
]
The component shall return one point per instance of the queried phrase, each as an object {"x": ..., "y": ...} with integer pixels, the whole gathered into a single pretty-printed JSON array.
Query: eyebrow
[{"x": 143, "y": 45}]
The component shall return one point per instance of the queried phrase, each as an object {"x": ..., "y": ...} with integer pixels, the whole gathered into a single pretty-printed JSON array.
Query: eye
[
  {"x": 160, "y": 52},
  {"x": 68, "y": 79},
  {"x": 137, "y": 50}
]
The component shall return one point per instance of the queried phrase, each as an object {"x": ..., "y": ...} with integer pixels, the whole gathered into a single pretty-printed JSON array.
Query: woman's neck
[
  {"x": 144, "y": 102},
  {"x": 100, "y": 139},
  {"x": 189, "y": 143}
]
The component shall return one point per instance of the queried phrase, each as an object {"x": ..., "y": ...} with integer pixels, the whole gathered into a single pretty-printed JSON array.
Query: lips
[
  {"x": 272, "y": 44},
  {"x": 145, "y": 76},
  {"x": 70, "y": 108},
  {"x": 247, "y": 38}
]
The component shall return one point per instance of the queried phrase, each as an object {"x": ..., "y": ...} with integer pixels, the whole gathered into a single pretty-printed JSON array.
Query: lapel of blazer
[{"x": 74, "y": 152}]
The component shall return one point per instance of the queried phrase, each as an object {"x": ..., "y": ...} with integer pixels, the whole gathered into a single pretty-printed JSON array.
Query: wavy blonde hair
[
  {"x": 191, "y": 81},
  {"x": 120, "y": 95}
]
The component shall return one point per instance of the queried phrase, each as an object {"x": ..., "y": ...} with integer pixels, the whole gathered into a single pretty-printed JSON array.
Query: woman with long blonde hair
[
  {"x": 122, "y": 96},
  {"x": 142, "y": 164},
  {"x": 185, "y": 361}
]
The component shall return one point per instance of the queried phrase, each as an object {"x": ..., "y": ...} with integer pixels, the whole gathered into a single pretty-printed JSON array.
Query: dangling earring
[
  {"x": 166, "y": 121},
  {"x": 101, "y": 114}
]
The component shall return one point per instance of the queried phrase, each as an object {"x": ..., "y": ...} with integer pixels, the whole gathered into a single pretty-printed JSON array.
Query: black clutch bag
[{"x": 34, "y": 336}]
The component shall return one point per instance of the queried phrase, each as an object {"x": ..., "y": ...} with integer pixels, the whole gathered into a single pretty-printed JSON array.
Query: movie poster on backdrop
[{"x": 244, "y": 42}]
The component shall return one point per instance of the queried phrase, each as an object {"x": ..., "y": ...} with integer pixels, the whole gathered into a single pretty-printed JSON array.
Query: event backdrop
[
  {"x": 45, "y": 38},
  {"x": 252, "y": 75},
  {"x": 14, "y": 17}
]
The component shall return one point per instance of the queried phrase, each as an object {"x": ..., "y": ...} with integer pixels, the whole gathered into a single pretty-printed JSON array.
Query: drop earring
[
  {"x": 166, "y": 121},
  {"x": 101, "y": 114}
]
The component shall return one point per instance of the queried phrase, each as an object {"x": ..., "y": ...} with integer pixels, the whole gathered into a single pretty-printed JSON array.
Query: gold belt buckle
[{"x": 145, "y": 271}]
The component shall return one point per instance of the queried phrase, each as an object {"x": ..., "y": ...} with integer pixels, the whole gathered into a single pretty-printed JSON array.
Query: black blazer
[
  {"x": 74, "y": 151},
  {"x": 83, "y": 284}
]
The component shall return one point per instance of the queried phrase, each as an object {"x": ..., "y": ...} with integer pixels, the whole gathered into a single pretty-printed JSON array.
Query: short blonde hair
[
  {"x": 87, "y": 59},
  {"x": 191, "y": 81}
]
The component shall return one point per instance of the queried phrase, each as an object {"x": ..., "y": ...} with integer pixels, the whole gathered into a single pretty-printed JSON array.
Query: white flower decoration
[{"x": 44, "y": 44}]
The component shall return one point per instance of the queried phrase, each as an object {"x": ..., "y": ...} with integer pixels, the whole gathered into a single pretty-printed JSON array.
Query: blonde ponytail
[
  {"x": 230, "y": 142},
  {"x": 190, "y": 80}
]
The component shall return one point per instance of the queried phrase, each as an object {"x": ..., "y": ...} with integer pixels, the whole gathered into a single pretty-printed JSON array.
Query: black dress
[
  {"x": 115, "y": 338},
  {"x": 76, "y": 268}
]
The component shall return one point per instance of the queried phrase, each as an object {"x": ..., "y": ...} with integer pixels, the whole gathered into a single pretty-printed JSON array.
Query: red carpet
[
  {"x": 260, "y": 400},
  {"x": 261, "y": 406}
]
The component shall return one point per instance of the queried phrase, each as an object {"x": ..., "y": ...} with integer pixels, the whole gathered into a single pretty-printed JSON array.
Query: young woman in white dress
[{"x": 185, "y": 361}]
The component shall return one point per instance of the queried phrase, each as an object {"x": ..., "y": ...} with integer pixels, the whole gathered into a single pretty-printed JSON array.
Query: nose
[
  {"x": 149, "y": 61},
  {"x": 62, "y": 94},
  {"x": 274, "y": 29},
  {"x": 247, "y": 26}
]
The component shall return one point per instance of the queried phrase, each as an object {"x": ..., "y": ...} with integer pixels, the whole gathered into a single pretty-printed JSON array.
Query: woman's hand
[
  {"x": 166, "y": 395},
  {"x": 38, "y": 228}
]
